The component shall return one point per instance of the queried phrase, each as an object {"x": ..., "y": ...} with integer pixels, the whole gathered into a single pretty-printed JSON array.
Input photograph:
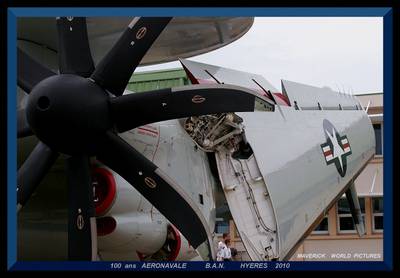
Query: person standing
[
  {"x": 227, "y": 250},
  {"x": 222, "y": 247}
]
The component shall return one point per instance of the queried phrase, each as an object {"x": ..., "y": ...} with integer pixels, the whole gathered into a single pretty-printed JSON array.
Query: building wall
[
  {"x": 336, "y": 243},
  {"x": 369, "y": 249},
  {"x": 154, "y": 80}
]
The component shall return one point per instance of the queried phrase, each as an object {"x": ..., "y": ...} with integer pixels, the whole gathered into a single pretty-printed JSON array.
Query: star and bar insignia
[{"x": 336, "y": 149}]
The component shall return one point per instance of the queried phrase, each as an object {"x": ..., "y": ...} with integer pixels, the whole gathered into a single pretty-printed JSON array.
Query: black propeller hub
[{"x": 68, "y": 113}]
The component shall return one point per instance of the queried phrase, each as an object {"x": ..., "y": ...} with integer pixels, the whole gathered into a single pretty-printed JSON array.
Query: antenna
[
  {"x": 369, "y": 103},
  {"x": 337, "y": 87},
  {"x": 344, "y": 91}
]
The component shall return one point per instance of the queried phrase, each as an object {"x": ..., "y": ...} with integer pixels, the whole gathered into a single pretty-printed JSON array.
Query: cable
[
  {"x": 263, "y": 225},
  {"x": 38, "y": 44}
]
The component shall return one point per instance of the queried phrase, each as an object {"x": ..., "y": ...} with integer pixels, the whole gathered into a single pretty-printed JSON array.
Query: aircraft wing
[
  {"x": 183, "y": 37},
  {"x": 200, "y": 73},
  {"x": 308, "y": 97},
  {"x": 290, "y": 163}
]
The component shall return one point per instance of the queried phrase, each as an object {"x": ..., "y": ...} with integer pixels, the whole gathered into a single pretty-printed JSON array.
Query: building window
[
  {"x": 221, "y": 226},
  {"x": 322, "y": 228},
  {"x": 345, "y": 220},
  {"x": 262, "y": 105},
  {"x": 378, "y": 139},
  {"x": 377, "y": 214},
  {"x": 223, "y": 215}
]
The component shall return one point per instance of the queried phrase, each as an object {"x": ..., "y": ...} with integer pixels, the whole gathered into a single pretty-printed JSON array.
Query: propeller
[
  {"x": 30, "y": 72},
  {"x": 116, "y": 68},
  {"x": 82, "y": 232},
  {"x": 32, "y": 172},
  {"x": 73, "y": 44},
  {"x": 23, "y": 128},
  {"x": 138, "y": 109},
  {"x": 76, "y": 116}
]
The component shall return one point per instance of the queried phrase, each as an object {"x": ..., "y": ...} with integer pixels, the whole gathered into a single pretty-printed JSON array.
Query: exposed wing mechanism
[{"x": 281, "y": 169}]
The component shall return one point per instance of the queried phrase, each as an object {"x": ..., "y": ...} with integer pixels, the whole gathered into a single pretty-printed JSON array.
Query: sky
[{"x": 343, "y": 53}]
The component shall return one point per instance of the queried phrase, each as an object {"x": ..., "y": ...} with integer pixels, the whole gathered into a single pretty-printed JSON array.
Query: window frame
[
  {"x": 314, "y": 232},
  {"x": 266, "y": 106},
  {"x": 374, "y": 230},
  {"x": 382, "y": 145},
  {"x": 373, "y": 214},
  {"x": 220, "y": 219},
  {"x": 338, "y": 216}
]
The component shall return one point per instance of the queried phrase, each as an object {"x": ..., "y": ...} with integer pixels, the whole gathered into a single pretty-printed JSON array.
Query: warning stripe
[{"x": 148, "y": 130}]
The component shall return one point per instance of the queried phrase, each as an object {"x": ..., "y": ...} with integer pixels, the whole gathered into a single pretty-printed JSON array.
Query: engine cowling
[
  {"x": 104, "y": 189},
  {"x": 126, "y": 222},
  {"x": 175, "y": 248}
]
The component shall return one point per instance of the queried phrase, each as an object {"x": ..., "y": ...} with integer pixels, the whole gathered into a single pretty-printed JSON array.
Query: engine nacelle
[
  {"x": 129, "y": 227},
  {"x": 175, "y": 248},
  {"x": 127, "y": 224}
]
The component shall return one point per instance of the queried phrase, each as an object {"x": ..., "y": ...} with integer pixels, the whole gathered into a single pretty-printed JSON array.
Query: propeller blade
[
  {"x": 73, "y": 46},
  {"x": 133, "y": 110},
  {"x": 31, "y": 173},
  {"x": 82, "y": 231},
  {"x": 30, "y": 72},
  {"x": 23, "y": 128},
  {"x": 155, "y": 186},
  {"x": 116, "y": 68}
]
